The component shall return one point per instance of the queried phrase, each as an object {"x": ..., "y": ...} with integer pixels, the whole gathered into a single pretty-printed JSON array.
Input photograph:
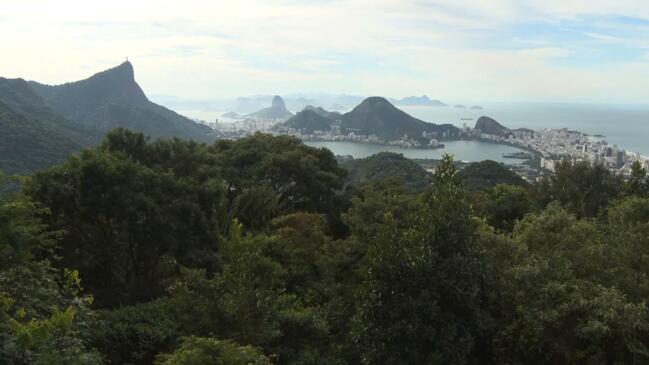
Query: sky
[{"x": 459, "y": 50}]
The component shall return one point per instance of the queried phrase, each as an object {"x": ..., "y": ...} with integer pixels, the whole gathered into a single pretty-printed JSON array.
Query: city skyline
[{"x": 512, "y": 51}]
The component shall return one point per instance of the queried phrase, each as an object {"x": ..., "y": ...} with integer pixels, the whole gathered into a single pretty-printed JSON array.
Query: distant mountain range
[
  {"x": 250, "y": 104},
  {"x": 417, "y": 101},
  {"x": 42, "y": 124},
  {"x": 375, "y": 115},
  {"x": 277, "y": 110},
  {"x": 247, "y": 105},
  {"x": 322, "y": 112}
]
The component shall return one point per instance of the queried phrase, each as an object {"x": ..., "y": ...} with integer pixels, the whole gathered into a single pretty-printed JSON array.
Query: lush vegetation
[
  {"x": 384, "y": 166},
  {"x": 41, "y": 125},
  {"x": 256, "y": 252},
  {"x": 32, "y": 136},
  {"x": 488, "y": 174}
]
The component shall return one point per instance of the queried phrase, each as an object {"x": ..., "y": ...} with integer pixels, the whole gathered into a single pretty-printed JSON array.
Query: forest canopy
[{"x": 262, "y": 251}]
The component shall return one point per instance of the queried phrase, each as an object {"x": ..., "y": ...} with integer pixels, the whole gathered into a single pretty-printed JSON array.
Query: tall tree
[
  {"x": 418, "y": 301},
  {"x": 581, "y": 187},
  {"x": 43, "y": 316},
  {"x": 129, "y": 225}
]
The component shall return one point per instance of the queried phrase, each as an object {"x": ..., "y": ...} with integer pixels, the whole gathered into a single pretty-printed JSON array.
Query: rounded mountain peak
[
  {"x": 278, "y": 102},
  {"x": 375, "y": 100}
]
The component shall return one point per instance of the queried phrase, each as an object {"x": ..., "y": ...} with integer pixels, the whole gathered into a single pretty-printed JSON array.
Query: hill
[
  {"x": 386, "y": 165},
  {"x": 277, "y": 110},
  {"x": 490, "y": 126},
  {"x": 320, "y": 111},
  {"x": 375, "y": 115},
  {"x": 32, "y": 136},
  {"x": 307, "y": 121},
  {"x": 29, "y": 143},
  {"x": 111, "y": 99},
  {"x": 487, "y": 174}
]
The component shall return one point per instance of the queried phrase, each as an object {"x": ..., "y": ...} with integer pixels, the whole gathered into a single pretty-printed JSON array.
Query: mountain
[
  {"x": 32, "y": 136},
  {"x": 111, "y": 99},
  {"x": 459, "y": 106},
  {"x": 299, "y": 103},
  {"x": 375, "y": 115},
  {"x": 419, "y": 101},
  {"x": 28, "y": 144},
  {"x": 232, "y": 115},
  {"x": 490, "y": 126},
  {"x": 476, "y": 107},
  {"x": 249, "y": 104},
  {"x": 307, "y": 121},
  {"x": 323, "y": 112},
  {"x": 277, "y": 110}
]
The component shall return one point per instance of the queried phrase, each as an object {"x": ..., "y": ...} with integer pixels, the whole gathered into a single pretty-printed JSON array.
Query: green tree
[
  {"x": 581, "y": 187},
  {"x": 638, "y": 182},
  {"x": 135, "y": 334},
  {"x": 128, "y": 225},
  {"x": 418, "y": 301},
  {"x": 486, "y": 174},
  {"x": 628, "y": 228},
  {"x": 205, "y": 350},
  {"x": 554, "y": 298},
  {"x": 272, "y": 293},
  {"x": 43, "y": 316},
  {"x": 503, "y": 205},
  {"x": 302, "y": 177}
]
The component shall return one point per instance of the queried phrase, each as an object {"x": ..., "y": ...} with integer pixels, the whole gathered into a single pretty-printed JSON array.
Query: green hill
[
  {"x": 112, "y": 99},
  {"x": 325, "y": 113},
  {"x": 29, "y": 143},
  {"x": 32, "y": 136},
  {"x": 375, "y": 115},
  {"x": 490, "y": 126},
  {"x": 386, "y": 165},
  {"x": 487, "y": 174},
  {"x": 307, "y": 121}
]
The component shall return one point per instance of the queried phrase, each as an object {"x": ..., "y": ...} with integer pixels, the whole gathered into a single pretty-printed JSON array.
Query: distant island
[{"x": 423, "y": 100}]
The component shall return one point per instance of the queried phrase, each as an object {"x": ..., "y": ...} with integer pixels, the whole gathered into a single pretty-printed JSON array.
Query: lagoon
[{"x": 461, "y": 150}]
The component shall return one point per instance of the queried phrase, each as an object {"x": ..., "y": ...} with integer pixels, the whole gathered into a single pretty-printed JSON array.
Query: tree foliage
[{"x": 256, "y": 252}]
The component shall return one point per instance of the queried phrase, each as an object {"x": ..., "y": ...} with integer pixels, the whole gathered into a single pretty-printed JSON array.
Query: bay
[{"x": 624, "y": 125}]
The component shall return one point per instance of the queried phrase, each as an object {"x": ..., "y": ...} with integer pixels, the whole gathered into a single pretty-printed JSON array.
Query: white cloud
[{"x": 204, "y": 49}]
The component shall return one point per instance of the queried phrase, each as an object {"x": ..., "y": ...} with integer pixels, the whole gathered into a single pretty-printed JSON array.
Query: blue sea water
[{"x": 624, "y": 125}]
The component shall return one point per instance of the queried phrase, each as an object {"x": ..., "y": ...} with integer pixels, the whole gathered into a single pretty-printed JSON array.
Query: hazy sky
[{"x": 476, "y": 50}]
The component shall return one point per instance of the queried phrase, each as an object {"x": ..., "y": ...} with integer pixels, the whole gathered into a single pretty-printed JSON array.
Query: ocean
[{"x": 624, "y": 125}]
